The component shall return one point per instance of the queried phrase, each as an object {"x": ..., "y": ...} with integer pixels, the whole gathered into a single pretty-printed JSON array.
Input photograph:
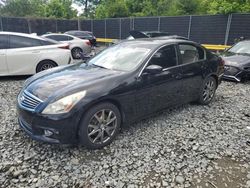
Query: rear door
[
  {"x": 192, "y": 59},
  {"x": 4, "y": 39},
  {"x": 23, "y": 55}
]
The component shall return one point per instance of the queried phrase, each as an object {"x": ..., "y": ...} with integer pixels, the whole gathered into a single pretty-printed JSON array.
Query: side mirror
[{"x": 153, "y": 69}]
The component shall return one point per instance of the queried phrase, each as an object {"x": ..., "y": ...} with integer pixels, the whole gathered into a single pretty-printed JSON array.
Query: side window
[
  {"x": 165, "y": 57},
  {"x": 82, "y": 34},
  {"x": 58, "y": 37},
  {"x": 70, "y": 38},
  {"x": 23, "y": 42},
  {"x": 51, "y": 37},
  {"x": 3, "y": 42},
  {"x": 48, "y": 42},
  {"x": 190, "y": 53}
]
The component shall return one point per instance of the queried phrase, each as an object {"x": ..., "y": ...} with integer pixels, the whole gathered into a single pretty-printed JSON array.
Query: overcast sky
[{"x": 78, "y": 8}]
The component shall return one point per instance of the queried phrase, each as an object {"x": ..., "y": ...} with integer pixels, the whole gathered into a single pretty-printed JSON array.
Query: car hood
[
  {"x": 68, "y": 79},
  {"x": 236, "y": 59}
]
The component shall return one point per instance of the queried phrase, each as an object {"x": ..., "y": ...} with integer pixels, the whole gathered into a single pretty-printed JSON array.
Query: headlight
[{"x": 65, "y": 104}]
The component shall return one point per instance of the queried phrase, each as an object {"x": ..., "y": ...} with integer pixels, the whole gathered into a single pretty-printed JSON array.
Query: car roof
[
  {"x": 60, "y": 34},
  {"x": 73, "y": 31},
  {"x": 20, "y": 34},
  {"x": 156, "y": 42},
  {"x": 155, "y": 32}
]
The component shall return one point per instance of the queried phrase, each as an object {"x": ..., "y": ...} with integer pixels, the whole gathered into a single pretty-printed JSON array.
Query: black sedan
[
  {"x": 237, "y": 62},
  {"x": 88, "y": 102}
]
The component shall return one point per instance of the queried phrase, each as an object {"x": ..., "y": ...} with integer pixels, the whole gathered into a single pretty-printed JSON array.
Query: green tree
[
  {"x": 112, "y": 9},
  {"x": 228, "y": 6},
  {"x": 20, "y": 8},
  {"x": 60, "y": 9},
  {"x": 38, "y": 8},
  {"x": 89, "y": 7}
]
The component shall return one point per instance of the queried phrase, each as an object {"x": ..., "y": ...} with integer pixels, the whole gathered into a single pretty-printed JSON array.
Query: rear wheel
[
  {"x": 208, "y": 89},
  {"x": 76, "y": 53},
  {"x": 44, "y": 65},
  {"x": 99, "y": 126}
]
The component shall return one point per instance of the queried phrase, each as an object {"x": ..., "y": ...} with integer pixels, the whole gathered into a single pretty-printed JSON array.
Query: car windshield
[
  {"x": 242, "y": 47},
  {"x": 120, "y": 57}
]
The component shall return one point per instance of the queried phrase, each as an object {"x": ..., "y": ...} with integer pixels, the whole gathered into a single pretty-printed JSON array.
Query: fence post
[
  {"x": 189, "y": 27},
  {"x": 1, "y": 23},
  {"x": 229, "y": 20},
  {"x": 159, "y": 23},
  {"x": 120, "y": 26},
  {"x": 29, "y": 27},
  {"x": 92, "y": 25},
  {"x": 105, "y": 28},
  {"x": 56, "y": 26},
  {"x": 133, "y": 19},
  {"x": 130, "y": 23},
  {"x": 79, "y": 23}
]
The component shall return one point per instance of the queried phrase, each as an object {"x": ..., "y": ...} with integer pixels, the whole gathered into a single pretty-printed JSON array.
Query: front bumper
[
  {"x": 234, "y": 73},
  {"x": 63, "y": 129}
]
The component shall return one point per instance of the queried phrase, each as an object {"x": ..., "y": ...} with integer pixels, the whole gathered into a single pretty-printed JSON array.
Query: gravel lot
[{"x": 189, "y": 146}]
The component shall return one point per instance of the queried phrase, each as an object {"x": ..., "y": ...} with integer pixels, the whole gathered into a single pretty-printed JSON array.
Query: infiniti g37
[{"x": 87, "y": 103}]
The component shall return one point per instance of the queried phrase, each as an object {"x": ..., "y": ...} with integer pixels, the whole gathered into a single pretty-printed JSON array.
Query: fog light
[{"x": 48, "y": 133}]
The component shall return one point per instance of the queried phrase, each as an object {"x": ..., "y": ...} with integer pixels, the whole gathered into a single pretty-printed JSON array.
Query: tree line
[{"x": 96, "y": 9}]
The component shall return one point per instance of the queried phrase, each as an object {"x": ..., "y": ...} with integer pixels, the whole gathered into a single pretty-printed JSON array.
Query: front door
[
  {"x": 158, "y": 91},
  {"x": 3, "y": 48}
]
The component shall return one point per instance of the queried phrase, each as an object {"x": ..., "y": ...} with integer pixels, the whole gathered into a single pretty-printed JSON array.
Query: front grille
[{"x": 29, "y": 101}]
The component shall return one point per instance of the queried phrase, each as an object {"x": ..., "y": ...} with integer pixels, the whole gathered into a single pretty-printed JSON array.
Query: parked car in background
[
  {"x": 77, "y": 45},
  {"x": 87, "y": 102},
  {"x": 152, "y": 34},
  {"x": 25, "y": 54},
  {"x": 146, "y": 34},
  {"x": 83, "y": 35},
  {"x": 237, "y": 61}
]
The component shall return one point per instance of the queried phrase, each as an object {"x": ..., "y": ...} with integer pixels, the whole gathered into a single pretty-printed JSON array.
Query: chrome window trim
[
  {"x": 178, "y": 62},
  {"x": 145, "y": 65}
]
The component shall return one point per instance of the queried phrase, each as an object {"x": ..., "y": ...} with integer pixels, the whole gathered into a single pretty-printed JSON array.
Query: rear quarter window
[
  {"x": 23, "y": 42},
  {"x": 4, "y": 42}
]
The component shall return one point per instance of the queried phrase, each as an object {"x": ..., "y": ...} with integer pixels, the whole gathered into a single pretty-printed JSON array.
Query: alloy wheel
[
  {"x": 209, "y": 90},
  {"x": 46, "y": 66},
  {"x": 102, "y": 126},
  {"x": 76, "y": 53}
]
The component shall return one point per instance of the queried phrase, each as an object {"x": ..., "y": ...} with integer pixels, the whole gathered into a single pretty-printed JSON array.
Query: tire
[
  {"x": 76, "y": 53},
  {"x": 44, "y": 65},
  {"x": 207, "y": 91},
  {"x": 94, "y": 131}
]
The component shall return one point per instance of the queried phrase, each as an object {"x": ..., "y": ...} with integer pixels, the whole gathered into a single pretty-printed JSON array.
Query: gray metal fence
[{"x": 211, "y": 29}]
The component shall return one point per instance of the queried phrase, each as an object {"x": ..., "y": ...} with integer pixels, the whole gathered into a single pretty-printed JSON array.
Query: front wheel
[
  {"x": 207, "y": 92},
  {"x": 99, "y": 126}
]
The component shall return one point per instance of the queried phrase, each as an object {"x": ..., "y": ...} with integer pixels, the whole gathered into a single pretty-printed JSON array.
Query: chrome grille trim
[{"x": 29, "y": 101}]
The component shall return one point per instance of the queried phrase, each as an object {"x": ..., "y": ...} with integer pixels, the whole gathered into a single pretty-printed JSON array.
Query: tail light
[
  {"x": 64, "y": 47},
  {"x": 88, "y": 43}
]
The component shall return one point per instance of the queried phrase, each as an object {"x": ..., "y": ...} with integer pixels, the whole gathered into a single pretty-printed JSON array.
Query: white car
[
  {"x": 77, "y": 45},
  {"x": 25, "y": 54}
]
